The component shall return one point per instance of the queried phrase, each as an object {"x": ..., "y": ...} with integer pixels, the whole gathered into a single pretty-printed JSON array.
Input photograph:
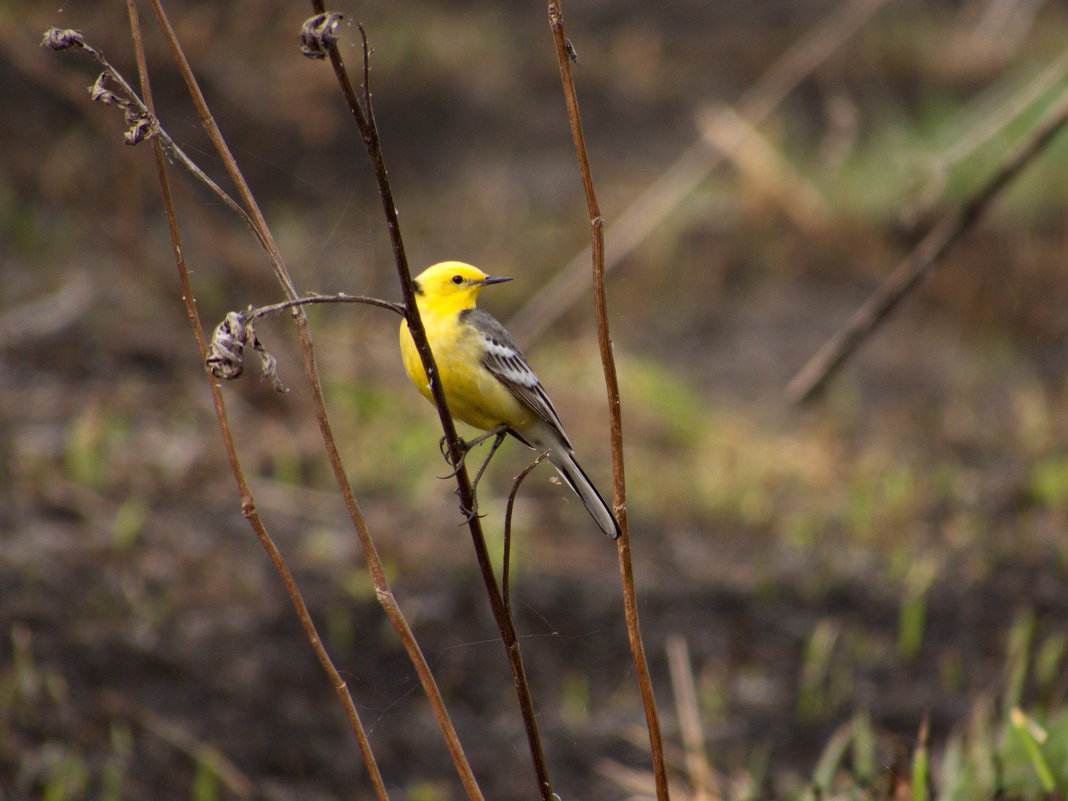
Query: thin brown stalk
[
  {"x": 654, "y": 205},
  {"x": 363, "y": 116},
  {"x": 130, "y": 98},
  {"x": 921, "y": 261},
  {"x": 311, "y": 300},
  {"x": 248, "y": 505},
  {"x": 247, "y": 501},
  {"x": 604, "y": 339},
  {"x": 507, "y": 550},
  {"x": 382, "y": 590}
]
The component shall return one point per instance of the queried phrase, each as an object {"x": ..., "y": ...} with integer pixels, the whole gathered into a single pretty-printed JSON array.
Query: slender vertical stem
[
  {"x": 604, "y": 339},
  {"x": 383, "y": 592},
  {"x": 506, "y": 556},
  {"x": 248, "y": 505},
  {"x": 363, "y": 115}
]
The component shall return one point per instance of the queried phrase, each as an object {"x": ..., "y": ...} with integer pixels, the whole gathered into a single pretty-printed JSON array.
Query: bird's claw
[
  {"x": 470, "y": 514},
  {"x": 465, "y": 447},
  {"x": 453, "y": 474}
]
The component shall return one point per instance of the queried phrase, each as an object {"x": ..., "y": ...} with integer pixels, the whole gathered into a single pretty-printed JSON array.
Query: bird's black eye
[{"x": 457, "y": 279}]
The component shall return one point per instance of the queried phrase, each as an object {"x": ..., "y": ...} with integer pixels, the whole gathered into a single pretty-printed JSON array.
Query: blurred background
[{"x": 892, "y": 553}]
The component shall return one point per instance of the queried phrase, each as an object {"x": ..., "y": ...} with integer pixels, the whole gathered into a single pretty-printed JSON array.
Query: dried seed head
[
  {"x": 268, "y": 364},
  {"x": 226, "y": 355},
  {"x": 59, "y": 39},
  {"x": 142, "y": 126},
  {"x": 99, "y": 92},
  {"x": 317, "y": 34}
]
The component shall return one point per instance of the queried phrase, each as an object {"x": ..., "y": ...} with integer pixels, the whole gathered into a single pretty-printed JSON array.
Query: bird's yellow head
[{"x": 452, "y": 285}]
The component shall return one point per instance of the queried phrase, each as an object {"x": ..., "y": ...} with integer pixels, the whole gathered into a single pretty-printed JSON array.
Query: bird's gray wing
[{"x": 502, "y": 357}]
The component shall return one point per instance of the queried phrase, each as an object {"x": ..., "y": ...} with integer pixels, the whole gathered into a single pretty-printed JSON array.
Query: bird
[{"x": 487, "y": 381}]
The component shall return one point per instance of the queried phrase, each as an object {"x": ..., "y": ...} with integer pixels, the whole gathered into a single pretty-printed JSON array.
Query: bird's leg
[
  {"x": 501, "y": 433},
  {"x": 465, "y": 447}
]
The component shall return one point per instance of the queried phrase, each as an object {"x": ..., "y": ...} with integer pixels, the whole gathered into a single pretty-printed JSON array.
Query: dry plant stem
[
  {"x": 507, "y": 554},
  {"x": 159, "y": 133},
  {"x": 630, "y": 605},
  {"x": 258, "y": 222},
  {"x": 365, "y": 122},
  {"x": 248, "y": 506},
  {"x": 382, "y": 590},
  {"x": 648, "y": 212},
  {"x": 314, "y": 299},
  {"x": 908, "y": 274}
]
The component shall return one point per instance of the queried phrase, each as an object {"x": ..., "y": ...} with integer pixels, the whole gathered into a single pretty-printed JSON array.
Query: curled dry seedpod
[
  {"x": 99, "y": 92},
  {"x": 60, "y": 39},
  {"x": 141, "y": 127},
  {"x": 226, "y": 354},
  {"x": 268, "y": 364},
  {"x": 317, "y": 34}
]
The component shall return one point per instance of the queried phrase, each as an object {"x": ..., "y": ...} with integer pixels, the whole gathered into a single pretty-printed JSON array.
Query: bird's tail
[{"x": 561, "y": 458}]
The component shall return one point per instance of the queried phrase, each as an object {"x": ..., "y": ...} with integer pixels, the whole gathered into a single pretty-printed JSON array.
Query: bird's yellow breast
[{"x": 473, "y": 393}]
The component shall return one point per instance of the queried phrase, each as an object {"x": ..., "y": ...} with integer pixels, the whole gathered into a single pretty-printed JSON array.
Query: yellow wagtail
[{"x": 487, "y": 381}]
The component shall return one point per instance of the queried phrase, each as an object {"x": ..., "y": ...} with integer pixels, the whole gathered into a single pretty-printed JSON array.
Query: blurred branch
[
  {"x": 691, "y": 168},
  {"x": 703, "y": 779},
  {"x": 317, "y": 40},
  {"x": 564, "y": 53},
  {"x": 248, "y": 506},
  {"x": 819, "y": 369},
  {"x": 638, "y": 784},
  {"x": 976, "y": 128},
  {"x": 229, "y": 775},
  {"x": 765, "y": 166},
  {"x": 43, "y": 316}
]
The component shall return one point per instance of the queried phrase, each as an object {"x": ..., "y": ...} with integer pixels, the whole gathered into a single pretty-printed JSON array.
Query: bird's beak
[{"x": 494, "y": 279}]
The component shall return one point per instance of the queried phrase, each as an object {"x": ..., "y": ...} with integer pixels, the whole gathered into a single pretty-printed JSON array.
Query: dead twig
[
  {"x": 907, "y": 275},
  {"x": 248, "y": 506},
  {"x": 766, "y": 168},
  {"x": 142, "y": 124},
  {"x": 984, "y": 119},
  {"x": 310, "y": 300},
  {"x": 507, "y": 555},
  {"x": 49, "y": 314},
  {"x": 226, "y": 354},
  {"x": 378, "y": 576},
  {"x": 316, "y": 43},
  {"x": 604, "y": 339}
]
